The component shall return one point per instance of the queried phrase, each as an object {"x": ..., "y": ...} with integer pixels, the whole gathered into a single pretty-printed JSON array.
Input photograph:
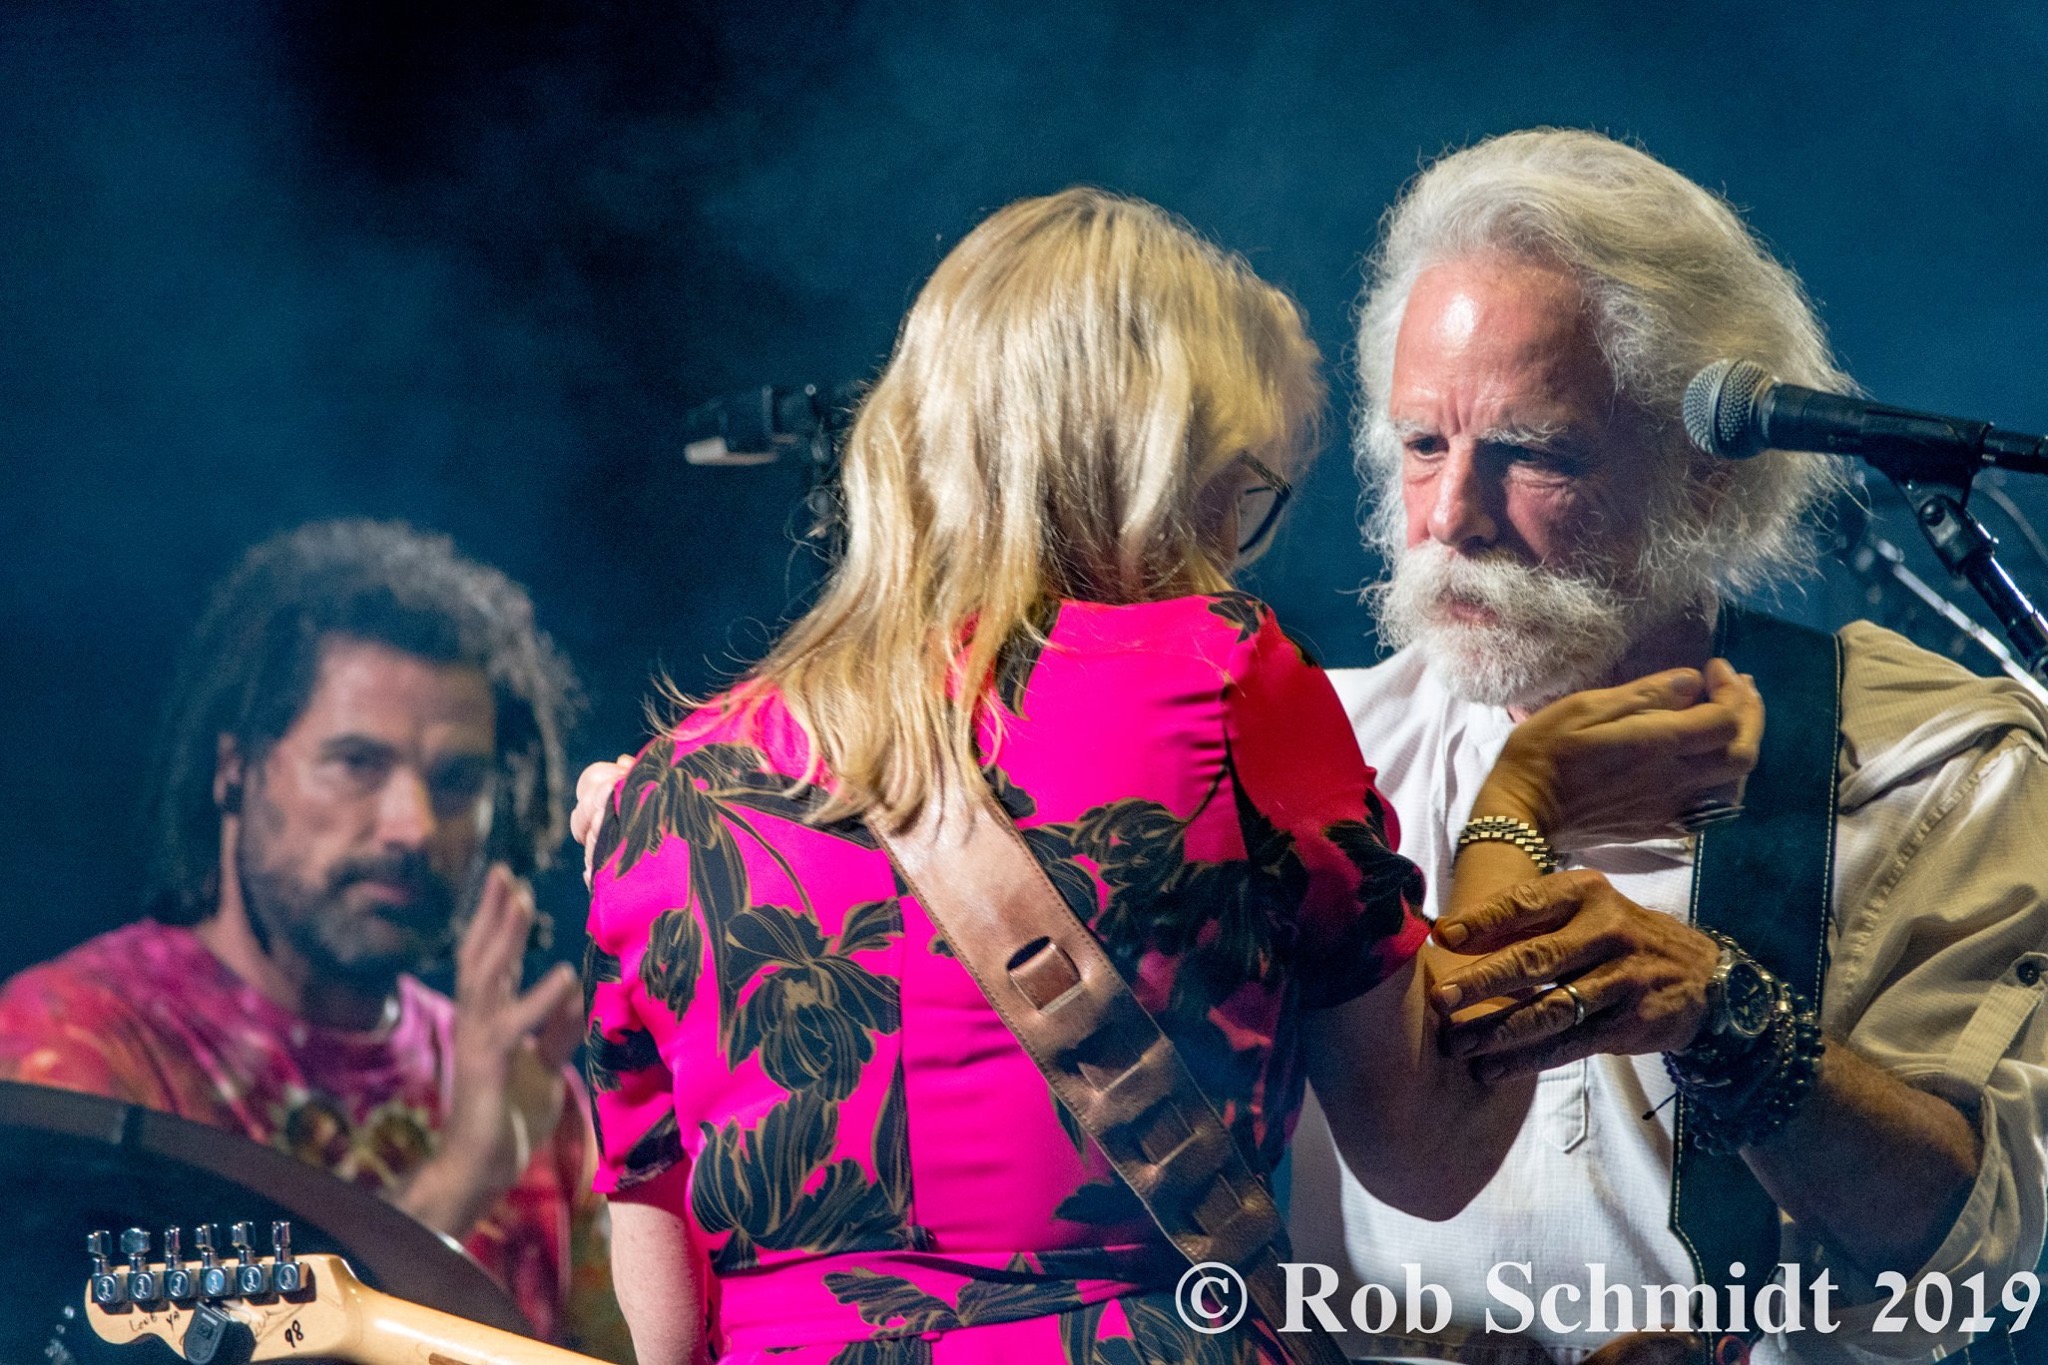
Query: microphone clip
[{"x": 759, "y": 426}]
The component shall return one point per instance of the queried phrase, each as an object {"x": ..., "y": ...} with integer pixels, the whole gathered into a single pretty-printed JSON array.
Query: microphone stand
[
  {"x": 760, "y": 426},
  {"x": 1936, "y": 485},
  {"x": 825, "y": 534}
]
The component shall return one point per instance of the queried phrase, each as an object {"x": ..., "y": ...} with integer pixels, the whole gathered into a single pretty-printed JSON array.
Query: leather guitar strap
[
  {"x": 1103, "y": 1055},
  {"x": 1764, "y": 880}
]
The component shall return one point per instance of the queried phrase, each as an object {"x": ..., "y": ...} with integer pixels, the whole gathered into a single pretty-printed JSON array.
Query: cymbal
[{"x": 71, "y": 1163}]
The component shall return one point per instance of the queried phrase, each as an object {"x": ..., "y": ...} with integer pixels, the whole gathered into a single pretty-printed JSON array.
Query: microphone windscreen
[{"x": 1720, "y": 408}]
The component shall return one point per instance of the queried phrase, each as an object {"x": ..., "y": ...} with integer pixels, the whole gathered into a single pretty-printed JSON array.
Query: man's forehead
[
  {"x": 1506, "y": 329},
  {"x": 1456, "y": 320},
  {"x": 376, "y": 690}
]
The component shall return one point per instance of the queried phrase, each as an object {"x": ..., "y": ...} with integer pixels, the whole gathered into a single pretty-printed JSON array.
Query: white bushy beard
[{"x": 1554, "y": 630}]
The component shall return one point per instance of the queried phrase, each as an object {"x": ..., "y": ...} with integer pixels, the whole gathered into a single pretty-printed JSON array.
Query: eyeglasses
[{"x": 1259, "y": 507}]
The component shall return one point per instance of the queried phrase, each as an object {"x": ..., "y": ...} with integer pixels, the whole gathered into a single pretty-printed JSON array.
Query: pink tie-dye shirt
[{"x": 148, "y": 1015}]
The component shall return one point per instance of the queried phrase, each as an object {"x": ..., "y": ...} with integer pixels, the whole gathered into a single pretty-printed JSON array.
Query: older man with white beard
[{"x": 1537, "y": 305}]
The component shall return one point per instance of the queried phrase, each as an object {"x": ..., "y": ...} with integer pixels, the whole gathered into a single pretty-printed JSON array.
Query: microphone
[
  {"x": 756, "y": 426},
  {"x": 1735, "y": 409}
]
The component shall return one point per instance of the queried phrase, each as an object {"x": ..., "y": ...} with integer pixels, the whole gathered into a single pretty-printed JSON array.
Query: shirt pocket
[{"x": 1562, "y": 1108}]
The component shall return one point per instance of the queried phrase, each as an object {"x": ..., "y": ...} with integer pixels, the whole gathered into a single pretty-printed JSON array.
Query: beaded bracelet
[{"x": 1767, "y": 1103}]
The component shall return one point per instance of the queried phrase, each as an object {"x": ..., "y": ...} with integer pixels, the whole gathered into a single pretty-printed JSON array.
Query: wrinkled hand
[
  {"x": 1642, "y": 975},
  {"x": 594, "y": 788},
  {"x": 1622, "y": 764},
  {"x": 510, "y": 1047}
]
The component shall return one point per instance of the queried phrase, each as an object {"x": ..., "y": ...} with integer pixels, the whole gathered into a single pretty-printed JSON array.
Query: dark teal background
[{"x": 466, "y": 264}]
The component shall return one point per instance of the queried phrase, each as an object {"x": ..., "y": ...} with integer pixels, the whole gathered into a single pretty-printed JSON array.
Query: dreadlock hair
[{"x": 250, "y": 668}]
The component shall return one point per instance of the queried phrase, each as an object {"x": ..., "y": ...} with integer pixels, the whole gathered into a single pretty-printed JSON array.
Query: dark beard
[{"x": 321, "y": 929}]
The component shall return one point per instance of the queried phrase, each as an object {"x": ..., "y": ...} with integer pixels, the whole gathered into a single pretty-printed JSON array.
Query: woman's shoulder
[
  {"x": 1226, "y": 636},
  {"x": 1221, "y": 622},
  {"x": 738, "y": 749},
  {"x": 748, "y": 721}
]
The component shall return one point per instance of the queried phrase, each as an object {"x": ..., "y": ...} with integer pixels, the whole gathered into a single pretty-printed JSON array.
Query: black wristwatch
[
  {"x": 1743, "y": 1000},
  {"x": 1741, "y": 995},
  {"x": 1756, "y": 1060}
]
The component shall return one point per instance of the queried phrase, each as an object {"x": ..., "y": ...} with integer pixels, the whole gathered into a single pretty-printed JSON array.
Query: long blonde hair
[{"x": 1065, "y": 398}]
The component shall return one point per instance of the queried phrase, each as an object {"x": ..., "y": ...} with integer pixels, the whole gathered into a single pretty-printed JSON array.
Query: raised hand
[
  {"x": 1623, "y": 764},
  {"x": 510, "y": 1047}
]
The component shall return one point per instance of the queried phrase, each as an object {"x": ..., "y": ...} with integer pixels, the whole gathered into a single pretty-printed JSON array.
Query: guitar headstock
[{"x": 229, "y": 1307}]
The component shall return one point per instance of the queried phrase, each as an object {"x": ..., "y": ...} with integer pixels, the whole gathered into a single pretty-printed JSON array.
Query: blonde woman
[{"x": 821, "y": 1142}]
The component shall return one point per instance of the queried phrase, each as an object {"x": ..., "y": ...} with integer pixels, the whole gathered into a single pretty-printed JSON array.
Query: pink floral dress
[{"x": 870, "y": 1166}]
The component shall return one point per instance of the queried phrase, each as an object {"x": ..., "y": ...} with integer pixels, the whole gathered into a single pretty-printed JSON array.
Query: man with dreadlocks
[{"x": 362, "y": 762}]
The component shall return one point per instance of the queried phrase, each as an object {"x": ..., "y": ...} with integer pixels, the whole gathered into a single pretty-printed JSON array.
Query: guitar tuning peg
[
  {"x": 178, "y": 1285},
  {"x": 215, "y": 1281},
  {"x": 251, "y": 1276},
  {"x": 107, "y": 1289},
  {"x": 286, "y": 1276},
  {"x": 142, "y": 1281}
]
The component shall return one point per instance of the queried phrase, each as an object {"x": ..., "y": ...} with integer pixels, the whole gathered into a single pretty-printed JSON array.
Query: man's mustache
[{"x": 430, "y": 903}]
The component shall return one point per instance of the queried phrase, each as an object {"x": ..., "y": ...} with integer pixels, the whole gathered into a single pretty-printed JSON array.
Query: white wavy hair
[{"x": 1673, "y": 280}]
